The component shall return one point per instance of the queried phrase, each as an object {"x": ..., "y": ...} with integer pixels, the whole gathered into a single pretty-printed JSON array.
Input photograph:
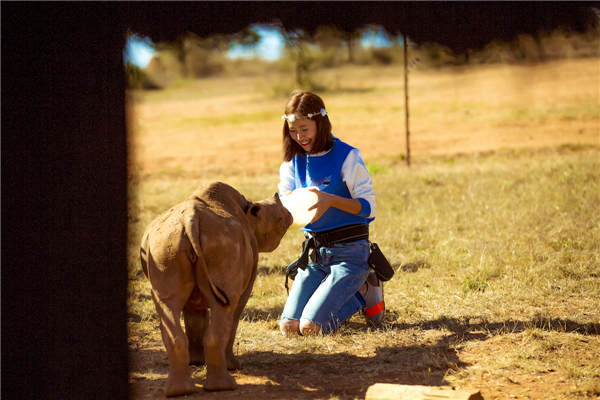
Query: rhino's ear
[
  {"x": 276, "y": 197},
  {"x": 254, "y": 209},
  {"x": 247, "y": 206}
]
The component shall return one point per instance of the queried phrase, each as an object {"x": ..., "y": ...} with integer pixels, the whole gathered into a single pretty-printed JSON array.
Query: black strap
[
  {"x": 349, "y": 233},
  {"x": 301, "y": 262}
]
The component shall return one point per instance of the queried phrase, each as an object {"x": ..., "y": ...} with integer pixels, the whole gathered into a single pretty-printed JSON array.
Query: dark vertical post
[
  {"x": 64, "y": 203},
  {"x": 405, "y": 44}
]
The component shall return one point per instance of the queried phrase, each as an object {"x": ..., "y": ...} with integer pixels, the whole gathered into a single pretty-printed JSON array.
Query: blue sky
[
  {"x": 376, "y": 37},
  {"x": 139, "y": 50},
  {"x": 269, "y": 46}
]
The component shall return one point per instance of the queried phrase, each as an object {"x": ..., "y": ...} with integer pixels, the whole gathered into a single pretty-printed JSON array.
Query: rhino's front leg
[{"x": 196, "y": 323}]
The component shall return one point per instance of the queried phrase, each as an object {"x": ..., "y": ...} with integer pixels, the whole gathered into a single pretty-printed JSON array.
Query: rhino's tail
[
  {"x": 192, "y": 230},
  {"x": 144, "y": 254}
]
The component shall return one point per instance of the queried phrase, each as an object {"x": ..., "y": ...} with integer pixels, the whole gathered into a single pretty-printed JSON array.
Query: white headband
[{"x": 293, "y": 117}]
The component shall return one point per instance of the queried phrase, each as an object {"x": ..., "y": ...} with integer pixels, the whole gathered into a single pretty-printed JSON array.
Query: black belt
[{"x": 315, "y": 240}]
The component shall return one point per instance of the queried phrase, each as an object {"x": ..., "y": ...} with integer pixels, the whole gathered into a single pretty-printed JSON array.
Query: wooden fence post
[{"x": 406, "y": 114}]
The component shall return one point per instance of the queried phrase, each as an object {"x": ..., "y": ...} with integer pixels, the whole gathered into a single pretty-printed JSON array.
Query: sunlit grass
[
  {"x": 501, "y": 243},
  {"x": 496, "y": 249}
]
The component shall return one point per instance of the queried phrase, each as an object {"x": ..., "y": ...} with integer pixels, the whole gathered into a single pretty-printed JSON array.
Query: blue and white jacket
[{"x": 341, "y": 171}]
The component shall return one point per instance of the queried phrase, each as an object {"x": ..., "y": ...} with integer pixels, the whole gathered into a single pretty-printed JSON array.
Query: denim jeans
[{"x": 326, "y": 292}]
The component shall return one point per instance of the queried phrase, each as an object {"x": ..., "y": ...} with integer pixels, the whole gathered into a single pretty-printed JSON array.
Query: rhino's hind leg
[
  {"x": 215, "y": 343},
  {"x": 179, "y": 381},
  {"x": 196, "y": 322}
]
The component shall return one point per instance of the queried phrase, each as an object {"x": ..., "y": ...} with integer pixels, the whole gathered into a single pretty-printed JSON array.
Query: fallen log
[{"x": 391, "y": 391}]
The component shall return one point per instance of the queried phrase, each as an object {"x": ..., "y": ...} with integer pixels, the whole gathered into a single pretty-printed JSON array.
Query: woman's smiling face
[{"x": 303, "y": 132}]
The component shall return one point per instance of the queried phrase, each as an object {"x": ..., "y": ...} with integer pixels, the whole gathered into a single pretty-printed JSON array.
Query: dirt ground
[{"x": 423, "y": 355}]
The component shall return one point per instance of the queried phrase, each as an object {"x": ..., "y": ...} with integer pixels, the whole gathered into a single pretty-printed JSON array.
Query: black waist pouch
[{"x": 380, "y": 264}]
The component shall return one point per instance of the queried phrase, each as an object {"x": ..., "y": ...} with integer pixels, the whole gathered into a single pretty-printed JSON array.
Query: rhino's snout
[{"x": 288, "y": 218}]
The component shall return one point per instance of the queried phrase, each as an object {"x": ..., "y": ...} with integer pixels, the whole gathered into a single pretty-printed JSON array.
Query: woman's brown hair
[{"x": 303, "y": 103}]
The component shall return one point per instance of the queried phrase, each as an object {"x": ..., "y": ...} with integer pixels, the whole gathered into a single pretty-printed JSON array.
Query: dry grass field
[{"x": 494, "y": 230}]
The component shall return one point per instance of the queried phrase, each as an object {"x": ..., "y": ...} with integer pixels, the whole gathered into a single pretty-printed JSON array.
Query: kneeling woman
[{"x": 333, "y": 286}]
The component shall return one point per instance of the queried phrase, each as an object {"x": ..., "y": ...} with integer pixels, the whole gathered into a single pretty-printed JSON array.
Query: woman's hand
[{"x": 326, "y": 200}]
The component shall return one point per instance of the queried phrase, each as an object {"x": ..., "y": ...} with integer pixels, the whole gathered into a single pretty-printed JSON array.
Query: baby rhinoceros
[{"x": 202, "y": 254}]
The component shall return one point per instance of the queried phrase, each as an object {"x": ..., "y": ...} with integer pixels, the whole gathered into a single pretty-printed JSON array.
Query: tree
[
  {"x": 295, "y": 42},
  {"x": 350, "y": 39},
  {"x": 247, "y": 38},
  {"x": 198, "y": 56},
  {"x": 177, "y": 47},
  {"x": 134, "y": 75}
]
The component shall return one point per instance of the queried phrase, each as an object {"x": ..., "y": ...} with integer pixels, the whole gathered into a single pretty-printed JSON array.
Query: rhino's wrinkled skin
[{"x": 202, "y": 254}]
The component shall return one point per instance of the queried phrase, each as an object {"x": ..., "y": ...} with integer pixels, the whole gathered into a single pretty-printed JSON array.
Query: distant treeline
[{"x": 193, "y": 57}]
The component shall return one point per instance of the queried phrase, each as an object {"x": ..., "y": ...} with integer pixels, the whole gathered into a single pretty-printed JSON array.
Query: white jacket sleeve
[
  {"x": 358, "y": 180},
  {"x": 286, "y": 178}
]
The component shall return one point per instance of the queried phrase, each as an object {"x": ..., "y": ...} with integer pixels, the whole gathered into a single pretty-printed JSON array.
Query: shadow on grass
[
  {"x": 308, "y": 375},
  {"x": 467, "y": 325},
  {"x": 344, "y": 375},
  {"x": 305, "y": 375}
]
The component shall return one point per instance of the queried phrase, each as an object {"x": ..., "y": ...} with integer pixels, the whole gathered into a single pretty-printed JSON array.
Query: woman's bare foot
[
  {"x": 289, "y": 327},
  {"x": 308, "y": 328}
]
